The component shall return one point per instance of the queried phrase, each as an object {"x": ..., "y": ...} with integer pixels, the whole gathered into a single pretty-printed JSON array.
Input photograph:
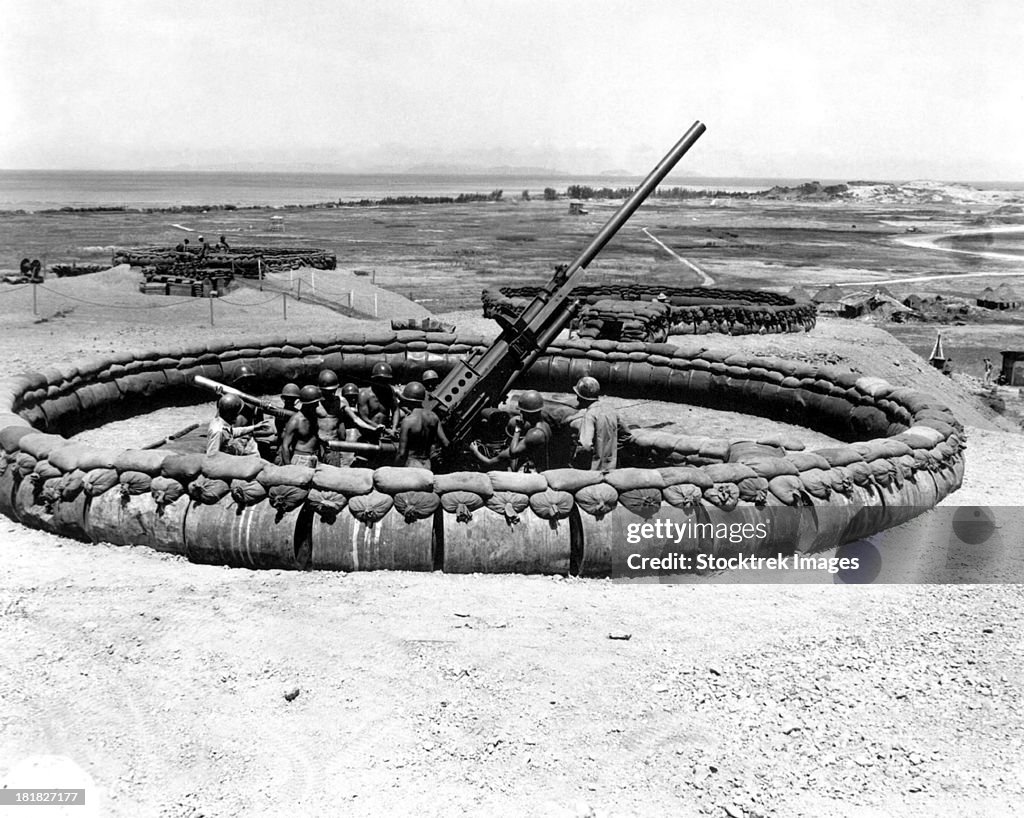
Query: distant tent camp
[
  {"x": 1004, "y": 297},
  {"x": 798, "y": 293},
  {"x": 914, "y": 301}
]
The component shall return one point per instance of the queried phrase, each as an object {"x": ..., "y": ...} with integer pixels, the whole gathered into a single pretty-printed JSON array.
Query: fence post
[
  {"x": 375, "y": 305},
  {"x": 211, "y": 308},
  {"x": 351, "y": 298},
  {"x": 298, "y": 297},
  {"x": 35, "y": 307},
  {"x": 284, "y": 305}
]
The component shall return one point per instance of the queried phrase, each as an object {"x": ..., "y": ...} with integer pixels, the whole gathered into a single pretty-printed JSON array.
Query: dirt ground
[{"x": 433, "y": 694}]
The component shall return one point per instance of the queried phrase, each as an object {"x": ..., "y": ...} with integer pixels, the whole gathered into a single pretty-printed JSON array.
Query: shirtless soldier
[
  {"x": 300, "y": 444},
  {"x": 334, "y": 415},
  {"x": 528, "y": 450},
  {"x": 379, "y": 405},
  {"x": 420, "y": 430}
]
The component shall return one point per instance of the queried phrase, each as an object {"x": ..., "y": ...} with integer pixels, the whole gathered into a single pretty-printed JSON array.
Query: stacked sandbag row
[
  {"x": 632, "y": 321},
  {"x": 291, "y": 518},
  {"x": 243, "y": 261},
  {"x": 693, "y": 310}
]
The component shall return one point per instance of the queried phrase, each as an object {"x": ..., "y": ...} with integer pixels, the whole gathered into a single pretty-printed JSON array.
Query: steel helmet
[
  {"x": 414, "y": 393},
  {"x": 430, "y": 376},
  {"x": 229, "y": 405},
  {"x": 531, "y": 401},
  {"x": 290, "y": 390},
  {"x": 327, "y": 379},
  {"x": 309, "y": 394},
  {"x": 382, "y": 372},
  {"x": 244, "y": 373},
  {"x": 587, "y": 388},
  {"x": 350, "y": 390}
]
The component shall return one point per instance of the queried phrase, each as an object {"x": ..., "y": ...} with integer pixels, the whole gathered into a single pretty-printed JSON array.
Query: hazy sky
[{"x": 893, "y": 89}]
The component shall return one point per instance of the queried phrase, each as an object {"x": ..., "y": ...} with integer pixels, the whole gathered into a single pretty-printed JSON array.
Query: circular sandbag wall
[
  {"x": 694, "y": 310},
  {"x": 241, "y": 261},
  {"x": 904, "y": 454}
]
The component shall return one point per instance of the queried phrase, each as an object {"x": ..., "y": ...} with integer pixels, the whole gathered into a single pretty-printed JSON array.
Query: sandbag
[
  {"x": 509, "y": 504},
  {"x": 285, "y": 497},
  {"x": 788, "y": 489},
  {"x": 572, "y": 480},
  {"x": 24, "y": 464},
  {"x": 883, "y": 471},
  {"x": 134, "y": 482},
  {"x": 44, "y": 470},
  {"x": 627, "y": 479},
  {"x": 147, "y": 461},
  {"x": 728, "y": 472},
  {"x": 462, "y": 503},
  {"x": 350, "y": 482},
  {"x": 598, "y": 499},
  {"x": 673, "y": 475},
  {"x": 790, "y": 443},
  {"x": 464, "y": 481},
  {"x": 840, "y": 455},
  {"x": 10, "y": 436},
  {"x": 71, "y": 485},
  {"x": 518, "y": 482},
  {"x": 769, "y": 467},
  {"x": 297, "y": 476},
  {"x": 644, "y": 502},
  {"x": 840, "y": 480},
  {"x": 40, "y": 445},
  {"x": 247, "y": 492},
  {"x": 416, "y": 505},
  {"x": 753, "y": 490},
  {"x": 232, "y": 467},
  {"x": 182, "y": 467},
  {"x": 680, "y": 495},
  {"x": 395, "y": 479},
  {"x": 77, "y": 456},
  {"x": 555, "y": 505},
  {"x": 165, "y": 490},
  {"x": 326, "y": 503},
  {"x": 805, "y": 461},
  {"x": 860, "y": 473},
  {"x": 99, "y": 481},
  {"x": 724, "y": 495},
  {"x": 208, "y": 490},
  {"x": 369, "y": 508},
  {"x": 817, "y": 483}
]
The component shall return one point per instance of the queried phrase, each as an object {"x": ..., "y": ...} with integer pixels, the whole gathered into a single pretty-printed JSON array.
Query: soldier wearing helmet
[
  {"x": 420, "y": 430},
  {"x": 379, "y": 405},
  {"x": 598, "y": 426},
  {"x": 530, "y": 439},
  {"x": 224, "y": 436},
  {"x": 264, "y": 434},
  {"x": 300, "y": 445},
  {"x": 430, "y": 380},
  {"x": 335, "y": 416}
]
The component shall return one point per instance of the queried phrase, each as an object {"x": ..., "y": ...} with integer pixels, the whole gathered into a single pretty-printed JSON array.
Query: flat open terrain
[{"x": 431, "y": 694}]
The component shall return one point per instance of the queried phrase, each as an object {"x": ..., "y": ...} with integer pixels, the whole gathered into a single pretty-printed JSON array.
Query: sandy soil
[{"x": 436, "y": 695}]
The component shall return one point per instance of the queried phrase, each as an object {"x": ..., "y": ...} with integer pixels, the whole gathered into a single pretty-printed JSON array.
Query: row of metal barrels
[{"x": 260, "y": 536}]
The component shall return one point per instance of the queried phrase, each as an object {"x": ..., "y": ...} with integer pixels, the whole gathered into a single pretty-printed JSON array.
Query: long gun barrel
[
  {"x": 485, "y": 379},
  {"x": 252, "y": 400}
]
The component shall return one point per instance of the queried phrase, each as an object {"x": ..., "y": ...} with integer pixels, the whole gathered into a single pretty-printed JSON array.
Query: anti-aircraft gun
[{"x": 485, "y": 379}]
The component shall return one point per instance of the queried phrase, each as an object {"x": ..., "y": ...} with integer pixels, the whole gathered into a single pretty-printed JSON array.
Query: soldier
[
  {"x": 224, "y": 436},
  {"x": 264, "y": 431},
  {"x": 420, "y": 429},
  {"x": 379, "y": 405},
  {"x": 224, "y": 244},
  {"x": 599, "y": 428},
  {"x": 430, "y": 380},
  {"x": 289, "y": 402},
  {"x": 334, "y": 415},
  {"x": 300, "y": 444},
  {"x": 529, "y": 447}
]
